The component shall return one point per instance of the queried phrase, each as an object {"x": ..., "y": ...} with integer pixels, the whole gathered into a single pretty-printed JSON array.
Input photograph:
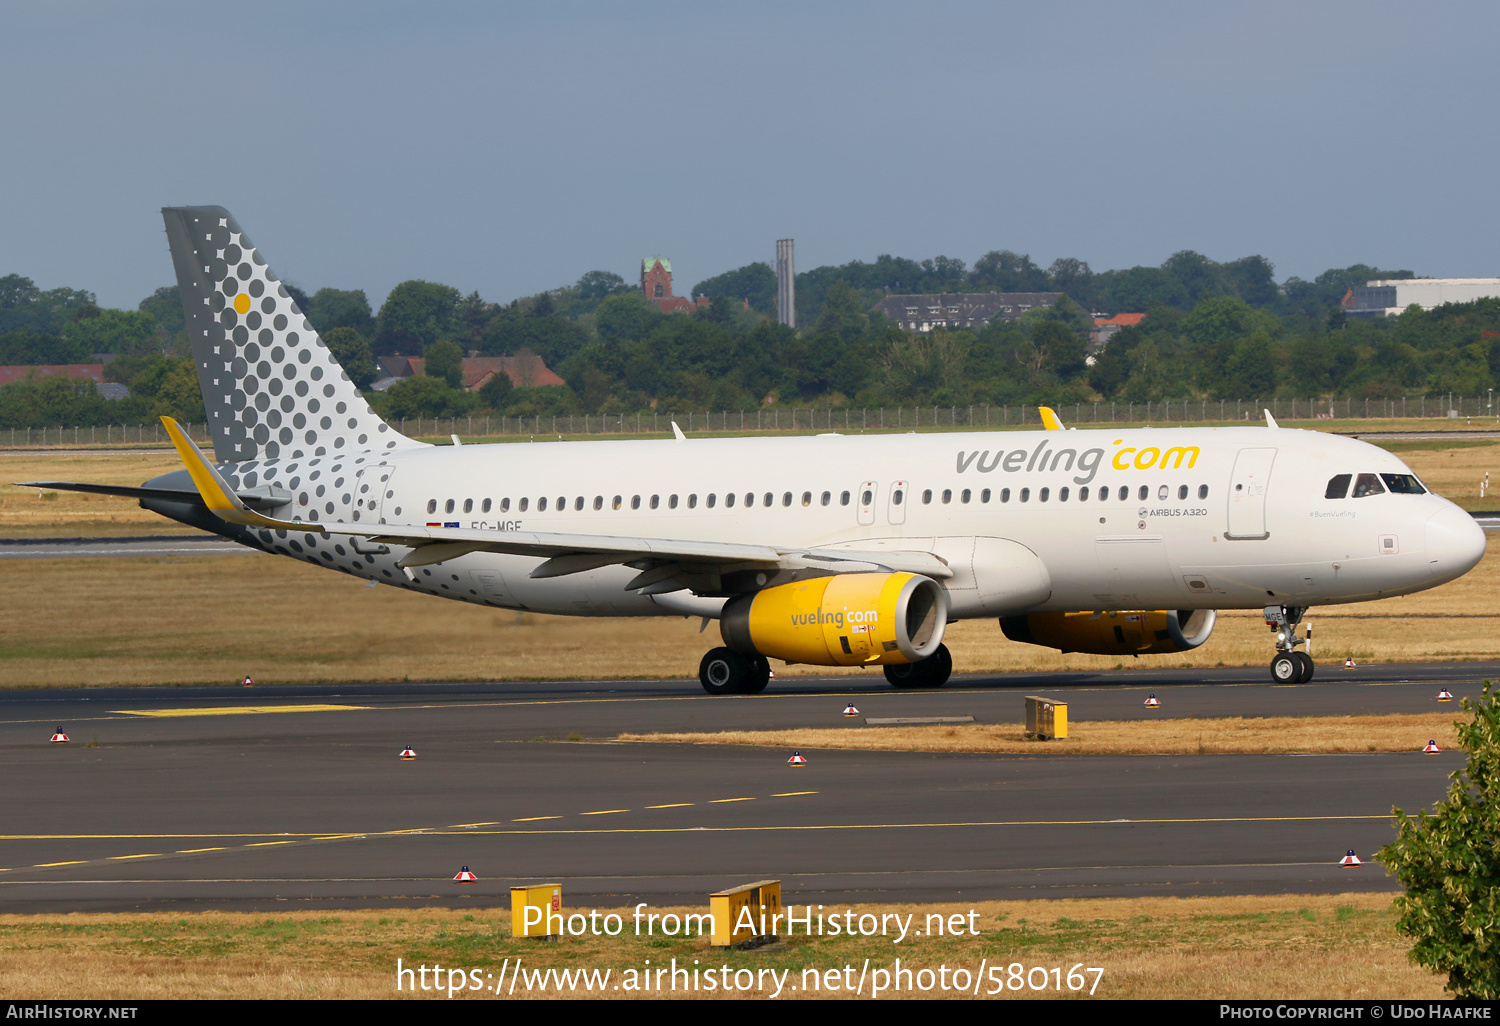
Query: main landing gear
[
  {"x": 1290, "y": 666},
  {"x": 724, "y": 671},
  {"x": 932, "y": 672}
]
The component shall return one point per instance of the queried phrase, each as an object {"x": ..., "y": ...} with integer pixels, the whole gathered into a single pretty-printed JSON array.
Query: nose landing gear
[{"x": 1289, "y": 666}]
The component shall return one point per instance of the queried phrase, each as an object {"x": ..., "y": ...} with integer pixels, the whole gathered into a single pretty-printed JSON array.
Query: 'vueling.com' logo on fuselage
[
  {"x": 1085, "y": 463},
  {"x": 835, "y": 619}
]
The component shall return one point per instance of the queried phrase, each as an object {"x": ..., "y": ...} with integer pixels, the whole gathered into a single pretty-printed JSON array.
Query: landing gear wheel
[
  {"x": 1304, "y": 665},
  {"x": 1285, "y": 668},
  {"x": 723, "y": 671},
  {"x": 932, "y": 672},
  {"x": 760, "y": 676}
]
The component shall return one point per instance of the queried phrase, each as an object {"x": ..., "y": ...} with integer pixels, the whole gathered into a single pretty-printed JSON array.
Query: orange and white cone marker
[
  {"x": 60, "y": 738},
  {"x": 1152, "y": 703},
  {"x": 796, "y": 760},
  {"x": 849, "y": 710},
  {"x": 464, "y": 876},
  {"x": 1349, "y": 663},
  {"x": 407, "y": 753},
  {"x": 1445, "y": 696},
  {"x": 1350, "y": 859},
  {"x": 1432, "y": 746}
]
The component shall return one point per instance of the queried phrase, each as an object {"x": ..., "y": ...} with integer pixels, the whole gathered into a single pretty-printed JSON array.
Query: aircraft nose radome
[{"x": 1455, "y": 543}]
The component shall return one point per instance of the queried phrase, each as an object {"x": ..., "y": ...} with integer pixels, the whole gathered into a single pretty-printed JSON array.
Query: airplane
[{"x": 831, "y": 550}]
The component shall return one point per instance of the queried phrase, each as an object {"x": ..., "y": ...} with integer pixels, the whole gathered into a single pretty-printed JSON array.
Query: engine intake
[
  {"x": 842, "y": 620},
  {"x": 1119, "y": 632}
]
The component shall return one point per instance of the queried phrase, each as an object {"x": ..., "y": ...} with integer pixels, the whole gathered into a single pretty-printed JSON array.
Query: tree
[
  {"x": 423, "y": 396},
  {"x": 1449, "y": 863},
  {"x": 23, "y": 305},
  {"x": 352, "y": 352},
  {"x": 1064, "y": 350},
  {"x": 1004, "y": 271},
  {"x": 446, "y": 361},
  {"x": 165, "y": 304},
  {"x": 125, "y": 332},
  {"x": 335, "y": 308},
  {"x": 494, "y": 392},
  {"x": 597, "y": 286},
  {"x": 423, "y": 308},
  {"x": 755, "y": 282}
]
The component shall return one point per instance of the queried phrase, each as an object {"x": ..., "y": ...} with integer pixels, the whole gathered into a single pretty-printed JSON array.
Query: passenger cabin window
[
  {"x": 896, "y": 497},
  {"x": 614, "y": 503},
  {"x": 505, "y": 505},
  {"x": 541, "y": 504},
  {"x": 1403, "y": 484},
  {"x": 562, "y": 503},
  {"x": 984, "y": 496},
  {"x": 828, "y": 497},
  {"x": 1367, "y": 484},
  {"x": 1062, "y": 495},
  {"x": 768, "y": 499},
  {"x": 965, "y": 495},
  {"x": 578, "y": 503},
  {"x": 1161, "y": 494},
  {"x": 843, "y": 498},
  {"x": 1338, "y": 486},
  {"x": 635, "y": 502},
  {"x": 448, "y": 506},
  {"x": 655, "y": 501},
  {"x": 1182, "y": 492},
  {"x": 728, "y": 499},
  {"x": 712, "y": 498},
  {"x": 786, "y": 499},
  {"x": 468, "y": 505},
  {"x": 432, "y": 505},
  {"x": 671, "y": 502},
  {"x": 865, "y": 499},
  {"x": 1025, "y": 494},
  {"x": 1125, "y": 493},
  {"x": 926, "y": 496},
  {"x": 1083, "y": 494},
  {"x": 693, "y": 501},
  {"x": 807, "y": 498},
  {"x": 598, "y": 502},
  {"x": 521, "y": 506},
  {"x": 947, "y": 496},
  {"x": 1203, "y": 491},
  {"x": 1005, "y": 495},
  {"x": 1145, "y": 492},
  {"x": 1042, "y": 495}
]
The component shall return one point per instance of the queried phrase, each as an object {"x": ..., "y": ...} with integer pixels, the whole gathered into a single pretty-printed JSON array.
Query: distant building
[
  {"x": 1391, "y": 298},
  {"x": 92, "y": 371},
  {"x": 1105, "y": 328},
  {"x": 656, "y": 285},
  {"x": 526, "y": 371},
  {"x": 962, "y": 310}
]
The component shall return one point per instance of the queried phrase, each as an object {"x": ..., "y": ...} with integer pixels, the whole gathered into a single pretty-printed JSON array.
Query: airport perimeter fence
[{"x": 777, "y": 419}]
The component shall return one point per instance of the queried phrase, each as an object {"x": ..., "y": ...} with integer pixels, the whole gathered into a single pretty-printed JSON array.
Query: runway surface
[{"x": 288, "y": 797}]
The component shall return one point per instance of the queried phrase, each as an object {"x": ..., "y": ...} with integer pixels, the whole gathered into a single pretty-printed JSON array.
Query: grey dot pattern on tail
[{"x": 271, "y": 387}]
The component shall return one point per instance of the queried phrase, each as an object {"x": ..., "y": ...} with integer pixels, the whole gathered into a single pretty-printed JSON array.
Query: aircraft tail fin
[{"x": 271, "y": 387}]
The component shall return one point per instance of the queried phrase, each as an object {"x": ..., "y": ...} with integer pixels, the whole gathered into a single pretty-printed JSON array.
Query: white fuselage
[{"x": 1123, "y": 519}]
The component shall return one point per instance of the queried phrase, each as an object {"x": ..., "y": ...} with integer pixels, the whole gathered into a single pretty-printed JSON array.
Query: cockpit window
[
  {"x": 1403, "y": 484},
  {"x": 1367, "y": 484},
  {"x": 1338, "y": 486}
]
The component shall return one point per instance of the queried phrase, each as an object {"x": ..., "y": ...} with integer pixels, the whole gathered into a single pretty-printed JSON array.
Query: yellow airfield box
[
  {"x": 745, "y": 916},
  {"x": 1046, "y": 720},
  {"x": 536, "y": 911}
]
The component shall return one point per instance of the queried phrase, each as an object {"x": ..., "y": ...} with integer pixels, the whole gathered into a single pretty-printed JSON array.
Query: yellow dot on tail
[{"x": 242, "y": 303}]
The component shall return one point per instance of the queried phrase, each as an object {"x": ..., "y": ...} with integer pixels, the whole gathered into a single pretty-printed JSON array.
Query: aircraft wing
[{"x": 666, "y": 564}]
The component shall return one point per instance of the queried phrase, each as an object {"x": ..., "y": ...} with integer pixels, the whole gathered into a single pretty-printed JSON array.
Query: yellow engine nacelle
[
  {"x": 1121, "y": 632},
  {"x": 843, "y": 620}
]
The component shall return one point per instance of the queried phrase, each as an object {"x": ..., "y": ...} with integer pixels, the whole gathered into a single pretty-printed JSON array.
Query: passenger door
[
  {"x": 866, "y": 499},
  {"x": 896, "y": 502},
  {"x": 1247, "y": 494}
]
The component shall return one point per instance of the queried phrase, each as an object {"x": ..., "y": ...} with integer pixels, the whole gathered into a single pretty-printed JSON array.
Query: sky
[{"x": 509, "y": 148}]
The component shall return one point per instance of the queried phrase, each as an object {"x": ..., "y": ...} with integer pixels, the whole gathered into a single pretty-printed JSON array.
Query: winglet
[
  {"x": 677, "y": 432},
  {"x": 217, "y": 495},
  {"x": 1050, "y": 420},
  {"x": 1270, "y": 420}
]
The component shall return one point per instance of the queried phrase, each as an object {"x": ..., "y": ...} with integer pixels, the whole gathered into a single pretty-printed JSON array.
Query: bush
[{"x": 1449, "y": 863}]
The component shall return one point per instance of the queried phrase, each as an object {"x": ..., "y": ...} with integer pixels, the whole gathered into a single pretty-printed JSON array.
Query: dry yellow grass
[
  {"x": 1273, "y": 734},
  {"x": 29, "y": 513},
  {"x": 1294, "y": 946}
]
